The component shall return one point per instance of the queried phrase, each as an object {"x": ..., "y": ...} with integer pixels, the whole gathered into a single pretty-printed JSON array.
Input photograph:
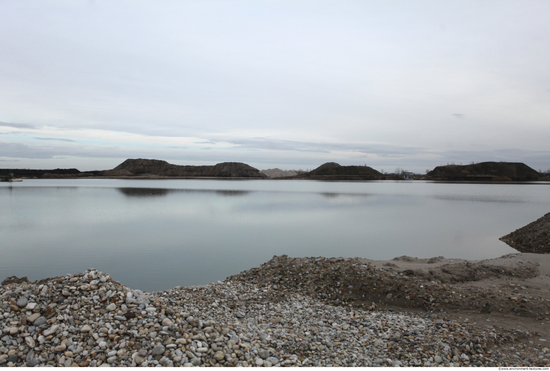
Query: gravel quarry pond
[{"x": 158, "y": 234}]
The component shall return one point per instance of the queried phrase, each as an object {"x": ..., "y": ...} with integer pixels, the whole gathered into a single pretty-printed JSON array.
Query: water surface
[{"x": 158, "y": 234}]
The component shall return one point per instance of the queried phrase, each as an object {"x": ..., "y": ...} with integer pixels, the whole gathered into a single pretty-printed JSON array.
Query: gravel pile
[
  {"x": 87, "y": 319},
  {"x": 533, "y": 238}
]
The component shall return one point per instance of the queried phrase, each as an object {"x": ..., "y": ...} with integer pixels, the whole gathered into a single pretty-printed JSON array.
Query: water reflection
[
  {"x": 153, "y": 192},
  {"x": 143, "y": 192},
  {"x": 232, "y": 193}
]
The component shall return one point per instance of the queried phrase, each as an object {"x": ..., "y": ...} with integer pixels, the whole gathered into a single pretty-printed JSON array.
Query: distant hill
[
  {"x": 145, "y": 167},
  {"x": 29, "y": 173},
  {"x": 492, "y": 171},
  {"x": 334, "y": 171}
]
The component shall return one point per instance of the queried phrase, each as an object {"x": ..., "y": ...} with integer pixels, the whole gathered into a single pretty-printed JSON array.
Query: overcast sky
[{"x": 288, "y": 84}]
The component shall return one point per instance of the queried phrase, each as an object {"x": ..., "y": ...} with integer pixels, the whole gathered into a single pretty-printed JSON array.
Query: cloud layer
[{"x": 275, "y": 83}]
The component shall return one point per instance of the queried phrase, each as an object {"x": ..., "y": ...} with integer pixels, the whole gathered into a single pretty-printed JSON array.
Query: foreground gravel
[{"x": 87, "y": 319}]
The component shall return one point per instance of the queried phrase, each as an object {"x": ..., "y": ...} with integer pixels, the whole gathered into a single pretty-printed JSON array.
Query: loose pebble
[{"x": 89, "y": 320}]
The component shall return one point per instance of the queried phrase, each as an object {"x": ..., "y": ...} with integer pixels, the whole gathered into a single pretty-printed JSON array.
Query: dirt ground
[
  {"x": 514, "y": 288},
  {"x": 508, "y": 294}
]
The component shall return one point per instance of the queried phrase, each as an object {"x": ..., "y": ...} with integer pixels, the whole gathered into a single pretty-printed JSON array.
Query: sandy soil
[{"x": 517, "y": 286}]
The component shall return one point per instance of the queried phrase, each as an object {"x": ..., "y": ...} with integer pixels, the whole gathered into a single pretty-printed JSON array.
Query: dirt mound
[
  {"x": 145, "y": 167},
  {"x": 477, "y": 271},
  {"x": 494, "y": 171},
  {"x": 334, "y": 171},
  {"x": 533, "y": 238},
  {"x": 14, "y": 279},
  {"x": 447, "y": 287}
]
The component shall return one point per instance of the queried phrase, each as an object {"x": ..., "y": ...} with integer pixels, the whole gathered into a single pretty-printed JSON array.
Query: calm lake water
[{"x": 158, "y": 234}]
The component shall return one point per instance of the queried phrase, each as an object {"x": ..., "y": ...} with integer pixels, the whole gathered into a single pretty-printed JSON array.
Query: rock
[
  {"x": 167, "y": 322},
  {"x": 51, "y": 330},
  {"x": 86, "y": 328},
  {"x": 259, "y": 362},
  {"x": 159, "y": 349},
  {"x": 219, "y": 356},
  {"x": 240, "y": 314},
  {"x": 111, "y": 307},
  {"x": 438, "y": 359},
  {"x": 40, "y": 321},
  {"x": 33, "y": 317},
  {"x": 60, "y": 348},
  {"x": 22, "y": 302},
  {"x": 129, "y": 315},
  {"x": 30, "y": 342},
  {"x": 32, "y": 362},
  {"x": 264, "y": 354}
]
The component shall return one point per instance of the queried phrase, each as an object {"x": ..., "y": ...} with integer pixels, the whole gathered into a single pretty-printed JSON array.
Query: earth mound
[
  {"x": 434, "y": 285},
  {"x": 492, "y": 171},
  {"x": 533, "y": 238},
  {"x": 145, "y": 167},
  {"x": 334, "y": 171}
]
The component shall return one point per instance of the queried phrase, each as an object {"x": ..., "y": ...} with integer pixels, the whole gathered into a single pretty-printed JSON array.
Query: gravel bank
[
  {"x": 283, "y": 313},
  {"x": 533, "y": 238}
]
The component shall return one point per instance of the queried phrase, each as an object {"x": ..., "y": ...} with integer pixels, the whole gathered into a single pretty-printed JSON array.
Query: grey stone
[
  {"x": 51, "y": 330},
  {"x": 32, "y": 362},
  {"x": 22, "y": 302},
  {"x": 40, "y": 321},
  {"x": 159, "y": 349}
]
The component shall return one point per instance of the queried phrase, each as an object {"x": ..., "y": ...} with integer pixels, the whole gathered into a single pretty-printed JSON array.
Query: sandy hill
[
  {"x": 516, "y": 171},
  {"x": 278, "y": 173},
  {"x": 145, "y": 167}
]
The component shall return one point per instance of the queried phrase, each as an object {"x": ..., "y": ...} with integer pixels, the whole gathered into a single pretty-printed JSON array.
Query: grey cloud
[
  {"x": 459, "y": 115},
  {"x": 23, "y": 151},
  {"x": 56, "y": 139},
  {"x": 18, "y": 126},
  {"x": 288, "y": 145}
]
